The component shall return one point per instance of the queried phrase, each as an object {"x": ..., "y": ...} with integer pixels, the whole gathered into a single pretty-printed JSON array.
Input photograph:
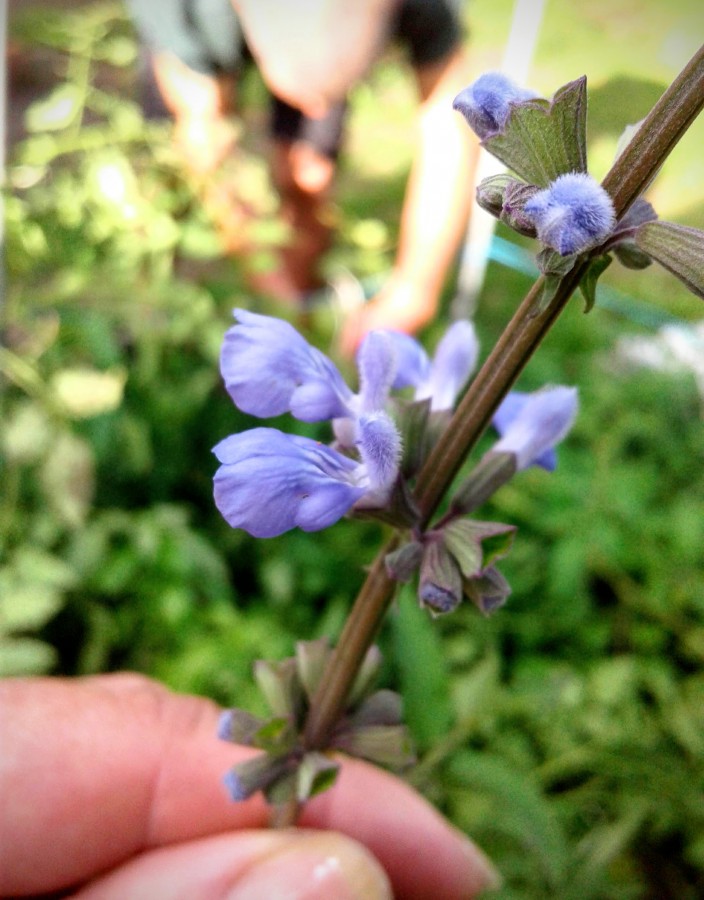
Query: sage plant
[{"x": 399, "y": 438}]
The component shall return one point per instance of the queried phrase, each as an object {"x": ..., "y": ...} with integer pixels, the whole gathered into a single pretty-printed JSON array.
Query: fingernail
[{"x": 313, "y": 866}]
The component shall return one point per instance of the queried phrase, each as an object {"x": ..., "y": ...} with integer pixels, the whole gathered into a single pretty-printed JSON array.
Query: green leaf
[
  {"x": 412, "y": 420},
  {"x": 423, "y": 671},
  {"x": 384, "y": 707},
  {"x": 315, "y": 774},
  {"x": 631, "y": 256},
  {"x": 67, "y": 478},
  {"x": 56, "y": 111},
  {"x": 476, "y": 545},
  {"x": 521, "y": 811},
  {"x": 589, "y": 280},
  {"x": 385, "y": 745},
  {"x": 367, "y": 675},
  {"x": 279, "y": 683},
  {"x": 677, "y": 248},
  {"x": 543, "y": 139},
  {"x": 402, "y": 563},
  {"x": 311, "y": 659},
  {"x": 275, "y": 736},
  {"x": 492, "y": 472},
  {"x": 550, "y": 262},
  {"x": 26, "y": 607},
  {"x": 25, "y": 656},
  {"x": 554, "y": 267}
]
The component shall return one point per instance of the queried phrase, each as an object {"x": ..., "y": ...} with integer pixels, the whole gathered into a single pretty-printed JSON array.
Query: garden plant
[{"x": 536, "y": 729}]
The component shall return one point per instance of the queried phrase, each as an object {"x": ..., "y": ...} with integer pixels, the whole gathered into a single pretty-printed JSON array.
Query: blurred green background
[{"x": 566, "y": 734}]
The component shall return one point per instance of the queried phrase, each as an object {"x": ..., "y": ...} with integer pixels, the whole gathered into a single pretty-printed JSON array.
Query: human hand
[
  {"x": 398, "y": 305},
  {"x": 112, "y": 786}
]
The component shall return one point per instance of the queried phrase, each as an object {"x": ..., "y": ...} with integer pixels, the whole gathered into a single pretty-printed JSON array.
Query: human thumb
[{"x": 249, "y": 865}]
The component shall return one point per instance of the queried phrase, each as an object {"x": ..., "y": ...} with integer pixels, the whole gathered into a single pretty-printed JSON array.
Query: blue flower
[
  {"x": 486, "y": 103},
  {"x": 573, "y": 214},
  {"x": 443, "y": 378},
  {"x": 379, "y": 445},
  {"x": 531, "y": 425},
  {"x": 269, "y": 369},
  {"x": 269, "y": 482}
]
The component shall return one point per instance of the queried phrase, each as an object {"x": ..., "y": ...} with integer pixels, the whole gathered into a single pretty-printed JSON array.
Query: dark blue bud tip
[
  {"x": 489, "y": 604},
  {"x": 225, "y": 725},
  {"x": 235, "y": 787},
  {"x": 437, "y": 599}
]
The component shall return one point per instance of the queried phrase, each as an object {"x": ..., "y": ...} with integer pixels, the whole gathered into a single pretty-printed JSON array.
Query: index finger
[{"x": 96, "y": 770}]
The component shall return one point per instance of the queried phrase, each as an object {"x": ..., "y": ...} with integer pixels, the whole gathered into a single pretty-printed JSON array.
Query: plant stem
[
  {"x": 634, "y": 169},
  {"x": 356, "y": 638}
]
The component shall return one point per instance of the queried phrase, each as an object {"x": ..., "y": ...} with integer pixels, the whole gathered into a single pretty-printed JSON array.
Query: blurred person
[
  {"x": 111, "y": 787},
  {"x": 310, "y": 54}
]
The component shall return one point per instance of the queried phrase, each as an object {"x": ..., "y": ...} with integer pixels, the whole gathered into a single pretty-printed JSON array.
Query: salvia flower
[
  {"x": 269, "y": 369},
  {"x": 531, "y": 425},
  {"x": 441, "y": 379},
  {"x": 371, "y": 728},
  {"x": 574, "y": 213},
  {"x": 269, "y": 482},
  {"x": 486, "y": 103}
]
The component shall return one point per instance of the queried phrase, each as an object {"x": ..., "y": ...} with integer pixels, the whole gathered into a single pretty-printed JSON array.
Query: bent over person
[{"x": 310, "y": 54}]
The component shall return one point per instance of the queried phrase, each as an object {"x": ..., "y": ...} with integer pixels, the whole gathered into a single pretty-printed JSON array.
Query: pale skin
[{"x": 111, "y": 786}]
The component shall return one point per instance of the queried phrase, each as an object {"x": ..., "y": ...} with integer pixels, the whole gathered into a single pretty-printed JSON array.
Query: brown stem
[
  {"x": 285, "y": 815},
  {"x": 632, "y": 172},
  {"x": 658, "y": 134},
  {"x": 356, "y": 638}
]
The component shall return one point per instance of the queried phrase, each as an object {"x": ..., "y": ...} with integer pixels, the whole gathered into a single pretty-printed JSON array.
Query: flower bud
[
  {"x": 573, "y": 214},
  {"x": 486, "y": 103},
  {"x": 532, "y": 424},
  {"x": 256, "y": 774},
  {"x": 513, "y": 212},
  {"x": 489, "y": 591},
  {"x": 402, "y": 563},
  {"x": 440, "y": 587},
  {"x": 491, "y": 192}
]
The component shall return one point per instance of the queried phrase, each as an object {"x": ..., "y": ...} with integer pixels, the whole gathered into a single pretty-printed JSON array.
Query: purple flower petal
[
  {"x": 412, "y": 362},
  {"x": 443, "y": 378},
  {"x": 270, "y": 482},
  {"x": 531, "y": 425},
  {"x": 380, "y": 448},
  {"x": 486, "y": 103},
  {"x": 454, "y": 361},
  {"x": 377, "y": 364},
  {"x": 573, "y": 214},
  {"x": 265, "y": 362}
]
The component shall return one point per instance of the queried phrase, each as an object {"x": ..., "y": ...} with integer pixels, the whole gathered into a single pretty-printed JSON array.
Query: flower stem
[
  {"x": 357, "y": 637},
  {"x": 634, "y": 169}
]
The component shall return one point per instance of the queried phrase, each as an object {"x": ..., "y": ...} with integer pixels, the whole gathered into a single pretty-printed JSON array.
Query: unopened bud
[{"x": 440, "y": 587}]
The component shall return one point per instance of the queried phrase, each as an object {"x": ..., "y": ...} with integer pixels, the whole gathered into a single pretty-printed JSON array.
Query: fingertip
[
  {"x": 316, "y": 866},
  {"x": 422, "y": 853},
  {"x": 250, "y": 865}
]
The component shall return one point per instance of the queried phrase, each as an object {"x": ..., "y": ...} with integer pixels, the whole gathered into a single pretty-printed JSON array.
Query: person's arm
[{"x": 438, "y": 198}]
